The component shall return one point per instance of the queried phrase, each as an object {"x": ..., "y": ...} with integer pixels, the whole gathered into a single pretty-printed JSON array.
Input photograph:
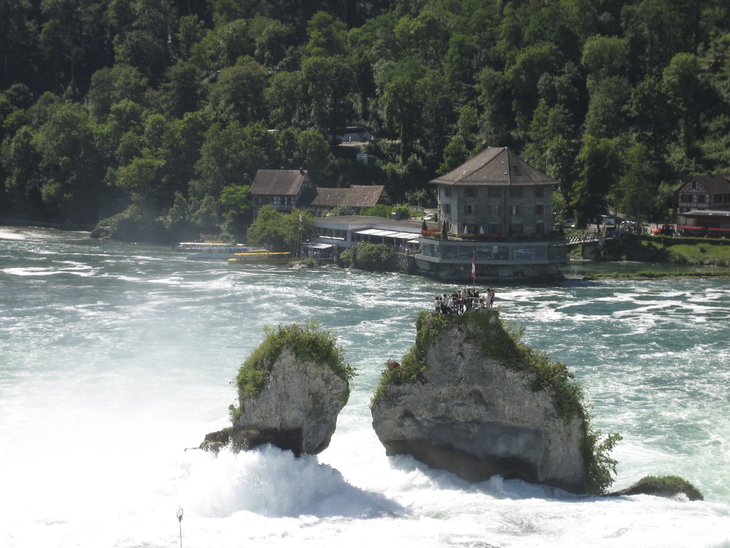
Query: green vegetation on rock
[
  {"x": 308, "y": 342},
  {"x": 663, "y": 486}
]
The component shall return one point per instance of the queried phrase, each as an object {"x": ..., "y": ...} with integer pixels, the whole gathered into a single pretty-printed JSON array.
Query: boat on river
[
  {"x": 261, "y": 256},
  {"x": 212, "y": 250}
]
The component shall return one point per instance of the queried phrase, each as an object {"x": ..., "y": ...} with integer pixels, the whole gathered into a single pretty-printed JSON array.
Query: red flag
[{"x": 474, "y": 266}]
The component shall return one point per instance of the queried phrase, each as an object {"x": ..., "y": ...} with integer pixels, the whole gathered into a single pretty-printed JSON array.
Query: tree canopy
[{"x": 161, "y": 111}]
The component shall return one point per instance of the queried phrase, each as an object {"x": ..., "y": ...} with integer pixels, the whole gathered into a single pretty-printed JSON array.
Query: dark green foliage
[
  {"x": 307, "y": 341},
  {"x": 600, "y": 467},
  {"x": 372, "y": 257},
  {"x": 279, "y": 231},
  {"x": 574, "y": 86},
  {"x": 413, "y": 365},
  {"x": 665, "y": 486}
]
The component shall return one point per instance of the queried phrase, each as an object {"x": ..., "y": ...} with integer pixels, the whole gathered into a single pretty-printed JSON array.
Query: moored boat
[
  {"x": 212, "y": 250},
  {"x": 261, "y": 256}
]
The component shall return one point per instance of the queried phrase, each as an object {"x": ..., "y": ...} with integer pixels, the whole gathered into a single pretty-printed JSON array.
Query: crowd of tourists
[{"x": 463, "y": 301}]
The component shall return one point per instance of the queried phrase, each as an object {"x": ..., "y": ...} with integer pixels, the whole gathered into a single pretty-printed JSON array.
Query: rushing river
[{"x": 114, "y": 358}]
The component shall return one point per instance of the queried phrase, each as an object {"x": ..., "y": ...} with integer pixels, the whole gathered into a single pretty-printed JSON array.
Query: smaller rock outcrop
[
  {"x": 662, "y": 486},
  {"x": 469, "y": 399},
  {"x": 291, "y": 390}
]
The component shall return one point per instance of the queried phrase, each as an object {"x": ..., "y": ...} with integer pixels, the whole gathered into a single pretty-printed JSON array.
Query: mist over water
[{"x": 114, "y": 358}]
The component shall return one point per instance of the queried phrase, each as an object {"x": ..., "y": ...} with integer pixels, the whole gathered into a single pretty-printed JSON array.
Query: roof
[
  {"x": 278, "y": 182},
  {"x": 712, "y": 183},
  {"x": 355, "y": 196},
  {"x": 329, "y": 197},
  {"x": 361, "y": 222},
  {"x": 495, "y": 166}
]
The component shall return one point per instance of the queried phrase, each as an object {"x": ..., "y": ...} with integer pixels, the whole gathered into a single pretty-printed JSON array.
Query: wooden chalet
[
  {"x": 704, "y": 192},
  {"x": 283, "y": 189}
]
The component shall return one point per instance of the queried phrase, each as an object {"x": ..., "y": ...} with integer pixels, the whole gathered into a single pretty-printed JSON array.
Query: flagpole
[{"x": 474, "y": 268}]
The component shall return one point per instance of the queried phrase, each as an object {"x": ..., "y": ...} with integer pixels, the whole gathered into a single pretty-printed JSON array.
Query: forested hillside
[{"x": 159, "y": 112}]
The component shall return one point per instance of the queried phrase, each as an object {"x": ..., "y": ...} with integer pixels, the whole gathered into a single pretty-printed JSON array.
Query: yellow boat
[{"x": 261, "y": 257}]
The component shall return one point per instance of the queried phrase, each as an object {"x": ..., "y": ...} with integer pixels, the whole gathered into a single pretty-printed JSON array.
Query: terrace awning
[{"x": 387, "y": 233}]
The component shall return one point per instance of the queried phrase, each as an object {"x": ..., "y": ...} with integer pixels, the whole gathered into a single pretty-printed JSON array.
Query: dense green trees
[{"x": 159, "y": 112}]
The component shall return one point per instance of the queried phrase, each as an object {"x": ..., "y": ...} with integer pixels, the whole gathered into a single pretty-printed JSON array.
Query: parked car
[
  {"x": 606, "y": 220},
  {"x": 569, "y": 223},
  {"x": 428, "y": 217}
]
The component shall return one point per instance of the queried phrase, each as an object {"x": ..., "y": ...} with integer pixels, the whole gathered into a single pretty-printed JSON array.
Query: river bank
[{"x": 591, "y": 270}]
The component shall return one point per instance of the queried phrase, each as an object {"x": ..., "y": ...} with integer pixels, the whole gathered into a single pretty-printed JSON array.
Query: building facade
[
  {"x": 704, "y": 192},
  {"x": 283, "y": 189},
  {"x": 496, "y": 215},
  {"x": 497, "y": 193}
]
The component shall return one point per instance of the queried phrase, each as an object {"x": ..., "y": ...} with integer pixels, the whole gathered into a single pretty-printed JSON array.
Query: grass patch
[
  {"x": 680, "y": 251},
  {"x": 309, "y": 342},
  {"x": 413, "y": 364},
  {"x": 658, "y": 274}
]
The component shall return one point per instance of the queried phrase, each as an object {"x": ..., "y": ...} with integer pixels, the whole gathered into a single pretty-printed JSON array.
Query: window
[
  {"x": 515, "y": 210},
  {"x": 471, "y": 192},
  {"x": 447, "y": 209},
  {"x": 539, "y": 228},
  {"x": 500, "y": 252},
  {"x": 484, "y": 252},
  {"x": 447, "y": 192},
  {"x": 515, "y": 192},
  {"x": 493, "y": 210},
  {"x": 538, "y": 252},
  {"x": 539, "y": 192},
  {"x": 701, "y": 198},
  {"x": 538, "y": 209},
  {"x": 470, "y": 210},
  {"x": 495, "y": 229},
  {"x": 494, "y": 193},
  {"x": 522, "y": 253},
  {"x": 685, "y": 197}
]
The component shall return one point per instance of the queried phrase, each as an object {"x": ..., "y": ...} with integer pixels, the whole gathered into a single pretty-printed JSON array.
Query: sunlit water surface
[{"x": 114, "y": 358}]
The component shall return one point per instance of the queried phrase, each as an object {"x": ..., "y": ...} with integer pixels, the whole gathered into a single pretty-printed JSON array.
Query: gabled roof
[
  {"x": 355, "y": 196},
  {"x": 365, "y": 196},
  {"x": 278, "y": 182},
  {"x": 495, "y": 166},
  {"x": 713, "y": 184},
  {"x": 329, "y": 197}
]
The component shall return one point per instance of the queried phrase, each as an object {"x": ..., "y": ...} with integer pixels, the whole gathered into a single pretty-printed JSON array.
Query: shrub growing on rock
[{"x": 308, "y": 341}]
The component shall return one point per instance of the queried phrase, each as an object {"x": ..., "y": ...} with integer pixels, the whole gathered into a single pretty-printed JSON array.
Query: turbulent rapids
[{"x": 115, "y": 357}]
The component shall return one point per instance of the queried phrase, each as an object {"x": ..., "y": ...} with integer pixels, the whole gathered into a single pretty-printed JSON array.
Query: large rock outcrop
[
  {"x": 469, "y": 400},
  {"x": 291, "y": 391}
]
